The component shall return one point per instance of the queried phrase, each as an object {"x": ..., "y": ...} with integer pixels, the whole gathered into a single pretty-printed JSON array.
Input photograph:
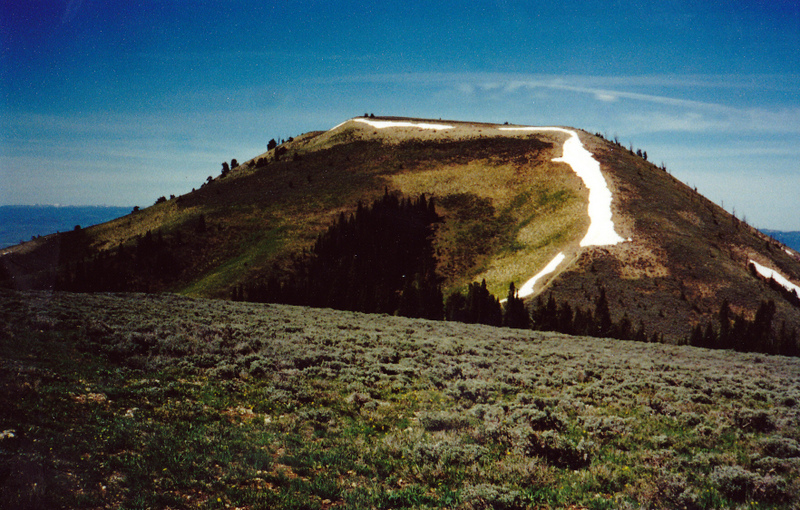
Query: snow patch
[
  {"x": 381, "y": 124},
  {"x": 771, "y": 273},
  {"x": 790, "y": 252},
  {"x": 339, "y": 125},
  {"x": 601, "y": 227},
  {"x": 527, "y": 289}
]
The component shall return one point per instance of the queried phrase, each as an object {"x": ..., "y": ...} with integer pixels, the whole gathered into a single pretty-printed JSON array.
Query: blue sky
[{"x": 121, "y": 102}]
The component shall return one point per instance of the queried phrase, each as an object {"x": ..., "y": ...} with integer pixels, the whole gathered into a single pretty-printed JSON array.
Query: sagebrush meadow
[{"x": 160, "y": 401}]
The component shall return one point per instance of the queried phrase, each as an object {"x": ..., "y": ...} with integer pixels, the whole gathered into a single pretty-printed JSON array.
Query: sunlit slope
[{"x": 506, "y": 206}]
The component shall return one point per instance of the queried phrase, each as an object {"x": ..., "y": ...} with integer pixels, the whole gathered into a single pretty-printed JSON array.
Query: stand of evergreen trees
[
  {"x": 140, "y": 268},
  {"x": 560, "y": 317},
  {"x": 378, "y": 260},
  {"x": 736, "y": 332}
]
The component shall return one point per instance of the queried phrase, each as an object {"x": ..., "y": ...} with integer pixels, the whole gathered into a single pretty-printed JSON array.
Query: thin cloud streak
[{"x": 689, "y": 115}]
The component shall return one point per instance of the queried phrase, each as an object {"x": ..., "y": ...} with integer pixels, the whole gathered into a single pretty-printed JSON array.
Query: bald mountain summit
[{"x": 433, "y": 219}]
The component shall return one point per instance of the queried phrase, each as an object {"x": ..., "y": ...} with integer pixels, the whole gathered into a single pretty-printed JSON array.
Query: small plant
[{"x": 735, "y": 482}]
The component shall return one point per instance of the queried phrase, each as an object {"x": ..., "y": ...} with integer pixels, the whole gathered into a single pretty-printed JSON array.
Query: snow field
[
  {"x": 771, "y": 273},
  {"x": 381, "y": 124},
  {"x": 527, "y": 289},
  {"x": 601, "y": 225}
]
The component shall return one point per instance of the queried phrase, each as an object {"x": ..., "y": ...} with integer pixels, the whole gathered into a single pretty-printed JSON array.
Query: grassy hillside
[
  {"x": 143, "y": 401},
  {"x": 276, "y": 204},
  {"x": 507, "y": 211}
]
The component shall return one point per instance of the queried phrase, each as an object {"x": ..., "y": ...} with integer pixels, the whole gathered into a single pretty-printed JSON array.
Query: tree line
[
  {"x": 378, "y": 260},
  {"x": 382, "y": 260},
  {"x": 734, "y": 331}
]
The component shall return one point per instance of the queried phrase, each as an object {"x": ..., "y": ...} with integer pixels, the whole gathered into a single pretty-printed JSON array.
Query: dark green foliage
[
  {"x": 602, "y": 316},
  {"x": 379, "y": 260},
  {"x": 515, "y": 316},
  {"x": 137, "y": 268},
  {"x": 552, "y": 316},
  {"x": 478, "y": 307},
  {"x": 740, "y": 334}
]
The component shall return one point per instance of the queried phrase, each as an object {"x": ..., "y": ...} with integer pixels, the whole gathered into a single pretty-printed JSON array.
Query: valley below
[{"x": 165, "y": 401}]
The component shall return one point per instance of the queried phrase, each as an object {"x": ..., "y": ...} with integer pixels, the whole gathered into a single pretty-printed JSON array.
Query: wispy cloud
[{"x": 656, "y": 112}]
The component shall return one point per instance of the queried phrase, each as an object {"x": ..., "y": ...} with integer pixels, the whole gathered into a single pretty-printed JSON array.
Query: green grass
[
  {"x": 167, "y": 402},
  {"x": 259, "y": 248}
]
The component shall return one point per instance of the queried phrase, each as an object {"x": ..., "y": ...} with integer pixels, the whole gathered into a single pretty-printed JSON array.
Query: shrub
[
  {"x": 539, "y": 420},
  {"x": 734, "y": 482},
  {"x": 446, "y": 453},
  {"x": 491, "y": 496},
  {"x": 223, "y": 371},
  {"x": 443, "y": 420},
  {"x": 472, "y": 390},
  {"x": 560, "y": 450},
  {"x": 781, "y": 447},
  {"x": 772, "y": 489},
  {"x": 754, "y": 420}
]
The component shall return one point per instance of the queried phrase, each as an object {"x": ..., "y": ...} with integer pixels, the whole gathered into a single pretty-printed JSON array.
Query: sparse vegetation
[{"x": 132, "y": 401}]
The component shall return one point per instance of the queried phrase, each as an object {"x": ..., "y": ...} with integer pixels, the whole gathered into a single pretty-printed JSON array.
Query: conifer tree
[
  {"x": 602, "y": 316},
  {"x": 515, "y": 316}
]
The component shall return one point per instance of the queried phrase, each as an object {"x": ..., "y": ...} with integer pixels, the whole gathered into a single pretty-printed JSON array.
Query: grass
[
  {"x": 258, "y": 250},
  {"x": 141, "y": 401}
]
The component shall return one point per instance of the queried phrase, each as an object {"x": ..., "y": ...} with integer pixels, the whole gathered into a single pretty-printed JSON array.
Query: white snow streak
[
  {"x": 527, "y": 289},
  {"x": 381, "y": 124},
  {"x": 771, "y": 273},
  {"x": 601, "y": 227}
]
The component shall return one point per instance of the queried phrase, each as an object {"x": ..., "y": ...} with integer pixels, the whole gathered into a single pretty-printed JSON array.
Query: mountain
[{"x": 566, "y": 216}]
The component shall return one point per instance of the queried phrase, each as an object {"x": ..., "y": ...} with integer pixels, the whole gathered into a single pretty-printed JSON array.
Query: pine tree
[
  {"x": 696, "y": 338},
  {"x": 515, "y": 316},
  {"x": 710, "y": 337},
  {"x": 602, "y": 316},
  {"x": 725, "y": 317}
]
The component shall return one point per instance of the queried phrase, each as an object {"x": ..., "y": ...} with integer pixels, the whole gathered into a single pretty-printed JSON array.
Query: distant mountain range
[
  {"x": 19, "y": 223},
  {"x": 790, "y": 239}
]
